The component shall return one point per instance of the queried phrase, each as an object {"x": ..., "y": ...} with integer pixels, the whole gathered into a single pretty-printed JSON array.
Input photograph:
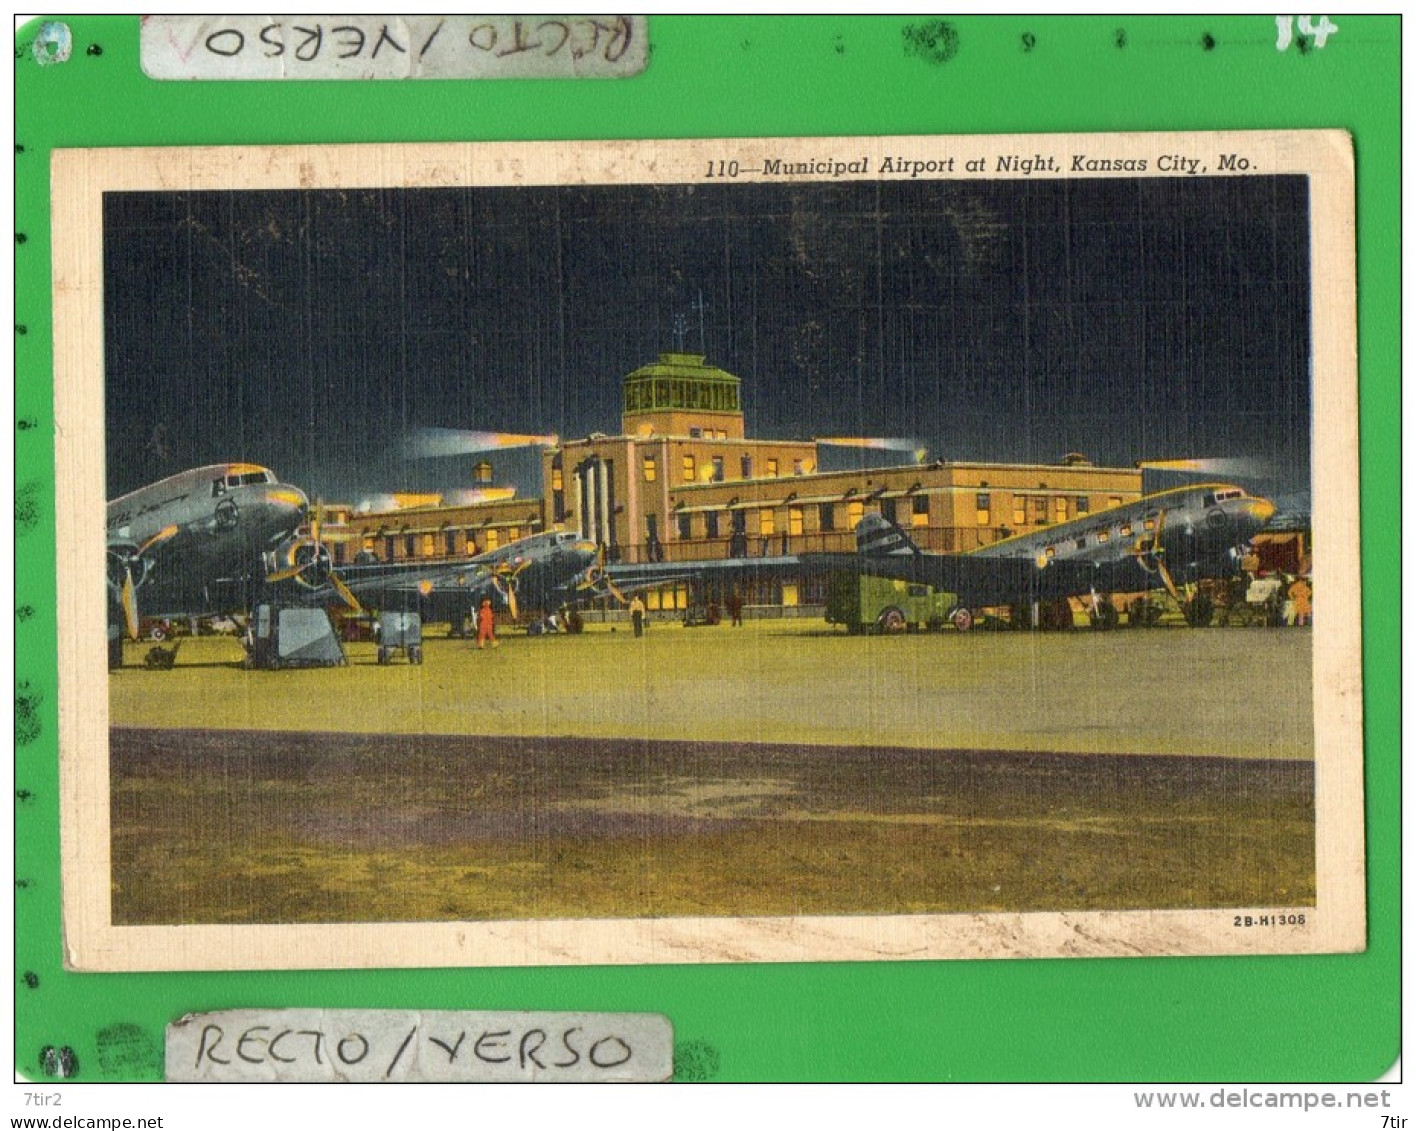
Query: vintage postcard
[{"x": 700, "y": 551}]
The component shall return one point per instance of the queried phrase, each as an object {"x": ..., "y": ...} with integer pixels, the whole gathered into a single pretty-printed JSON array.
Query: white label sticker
[
  {"x": 418, "y": 1046},
  {"x": 394, "y": 47}
]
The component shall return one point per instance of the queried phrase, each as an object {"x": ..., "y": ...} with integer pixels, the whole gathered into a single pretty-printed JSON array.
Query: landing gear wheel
[
  {"x": 1142, "y": 613},
  {"x": 962, "y": 619},
  {"x": 1055, "y": 616},
  {"x": 892, "y": 621},
  {"x": 1199, "y": 611},
  {"x": 1104, "y": 616}
]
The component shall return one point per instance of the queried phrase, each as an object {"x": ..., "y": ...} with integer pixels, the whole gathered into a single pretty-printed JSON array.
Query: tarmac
[
  {"x": 778, "y": 768},
  {"x": 1217, "y": 692}
]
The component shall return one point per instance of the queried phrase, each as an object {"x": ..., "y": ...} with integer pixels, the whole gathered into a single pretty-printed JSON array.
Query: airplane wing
[
  {"x": 629, "y": 578},
  {"x": 976, "y": 581},
  {"x": 388, "y": 585}
]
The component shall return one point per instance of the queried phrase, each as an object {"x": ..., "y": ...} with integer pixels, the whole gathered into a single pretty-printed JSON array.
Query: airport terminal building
[{"x": 681, "y": 482}]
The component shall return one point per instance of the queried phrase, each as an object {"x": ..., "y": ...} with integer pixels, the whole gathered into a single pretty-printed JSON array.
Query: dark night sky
[{"x": 308, "y": 331}]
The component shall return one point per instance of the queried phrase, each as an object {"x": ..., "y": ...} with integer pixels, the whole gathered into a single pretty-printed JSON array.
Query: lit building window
[
  {"x": 685, "y": 527},
  {"x": 651, "y": 469},
  {"x": 681, "y": 596},
  {"x": 690, "y": 469},
  {"x": 1059, "y": 508},
  {"x": 369, "y": 543},
  {"x": 798, "y": 467},
  {"x": 982, "y": 511},
  {"x": 428, "y": 543},
  {"x": 919, "y": 510},
  {"x": 652, "y": 601},
  {"x": 482, "y": 473},
  {"x": 790, "y": 596},
  {"x": 855, "y": 511},
  {"x": 794, "y": 524},
  {"x": 493, "y": 541},
  {"x": 772, "y": 472},
  {"x": 513, "y": 533},
  {"x": 1020, "y": 510},
  {"x": 767, "y": 521},
  {"x": 1114, "y": 501},
  {"x": 472, "y": 549},
  {"x": 557, "y": 479}
]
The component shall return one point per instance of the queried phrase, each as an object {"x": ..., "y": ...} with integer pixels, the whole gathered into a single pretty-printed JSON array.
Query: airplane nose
[
  {"x": 1261, "y": 509},
  {"x": 291, "y": 497}
]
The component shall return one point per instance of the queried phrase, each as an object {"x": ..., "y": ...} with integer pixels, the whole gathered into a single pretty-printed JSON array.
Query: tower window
[{"x": 919, "y": 510}]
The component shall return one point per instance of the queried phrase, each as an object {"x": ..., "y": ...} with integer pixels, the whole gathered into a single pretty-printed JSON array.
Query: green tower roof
[{"x": 681, "y": 381}]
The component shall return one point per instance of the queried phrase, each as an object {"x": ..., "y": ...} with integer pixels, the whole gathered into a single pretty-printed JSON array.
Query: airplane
[
  {"x": 1191, "y": 533},
  {"x": 220, "y": 539}
]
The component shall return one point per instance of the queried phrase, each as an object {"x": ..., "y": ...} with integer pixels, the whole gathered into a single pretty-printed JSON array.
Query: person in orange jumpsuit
[
  {"x": 1301, "y": 594},
  {"x": 487, "y": 625}
]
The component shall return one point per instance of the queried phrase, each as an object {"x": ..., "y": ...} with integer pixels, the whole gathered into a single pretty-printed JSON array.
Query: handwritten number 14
[{"x": 1318, "y": 32}]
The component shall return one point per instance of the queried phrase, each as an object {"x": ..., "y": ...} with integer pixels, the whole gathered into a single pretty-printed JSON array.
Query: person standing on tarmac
[
  {"x": 734, "y": 604},
  {"x": 1301, "y": 594},
  {"x": 487, "y": 625},
  {"x": 636, "y": 615}
]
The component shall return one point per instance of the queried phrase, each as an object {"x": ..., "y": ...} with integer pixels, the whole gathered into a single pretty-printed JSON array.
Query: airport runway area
[
  {"x": 771, "y": 770},
  {"x": 1230, "y": 693}
]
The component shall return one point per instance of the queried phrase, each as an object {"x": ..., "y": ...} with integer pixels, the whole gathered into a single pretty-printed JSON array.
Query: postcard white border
[{"x": 92, "y": 942}]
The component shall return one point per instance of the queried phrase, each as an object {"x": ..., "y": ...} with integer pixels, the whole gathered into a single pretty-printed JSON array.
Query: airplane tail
[{"x": 877, "y": 536}]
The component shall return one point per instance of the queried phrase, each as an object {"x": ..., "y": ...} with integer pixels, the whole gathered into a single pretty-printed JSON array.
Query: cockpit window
[
  {"x": 1221, "y": 496},
  {"x": 218, "y": 488}
]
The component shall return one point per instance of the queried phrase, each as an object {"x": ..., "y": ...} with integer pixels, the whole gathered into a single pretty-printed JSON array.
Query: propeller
[
  {"x": 308, "y": 562},
  {"x": 506, "y": 586},
  {"x": 596, "y": 577},
  {"x": 128, "y": 585},
  {"x": 504, "y": 581},
  {"x": 1151, "y": 555}
]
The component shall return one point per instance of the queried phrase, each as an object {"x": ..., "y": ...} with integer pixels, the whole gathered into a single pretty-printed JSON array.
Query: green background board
[{"x": 1211, "y": 1019}]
